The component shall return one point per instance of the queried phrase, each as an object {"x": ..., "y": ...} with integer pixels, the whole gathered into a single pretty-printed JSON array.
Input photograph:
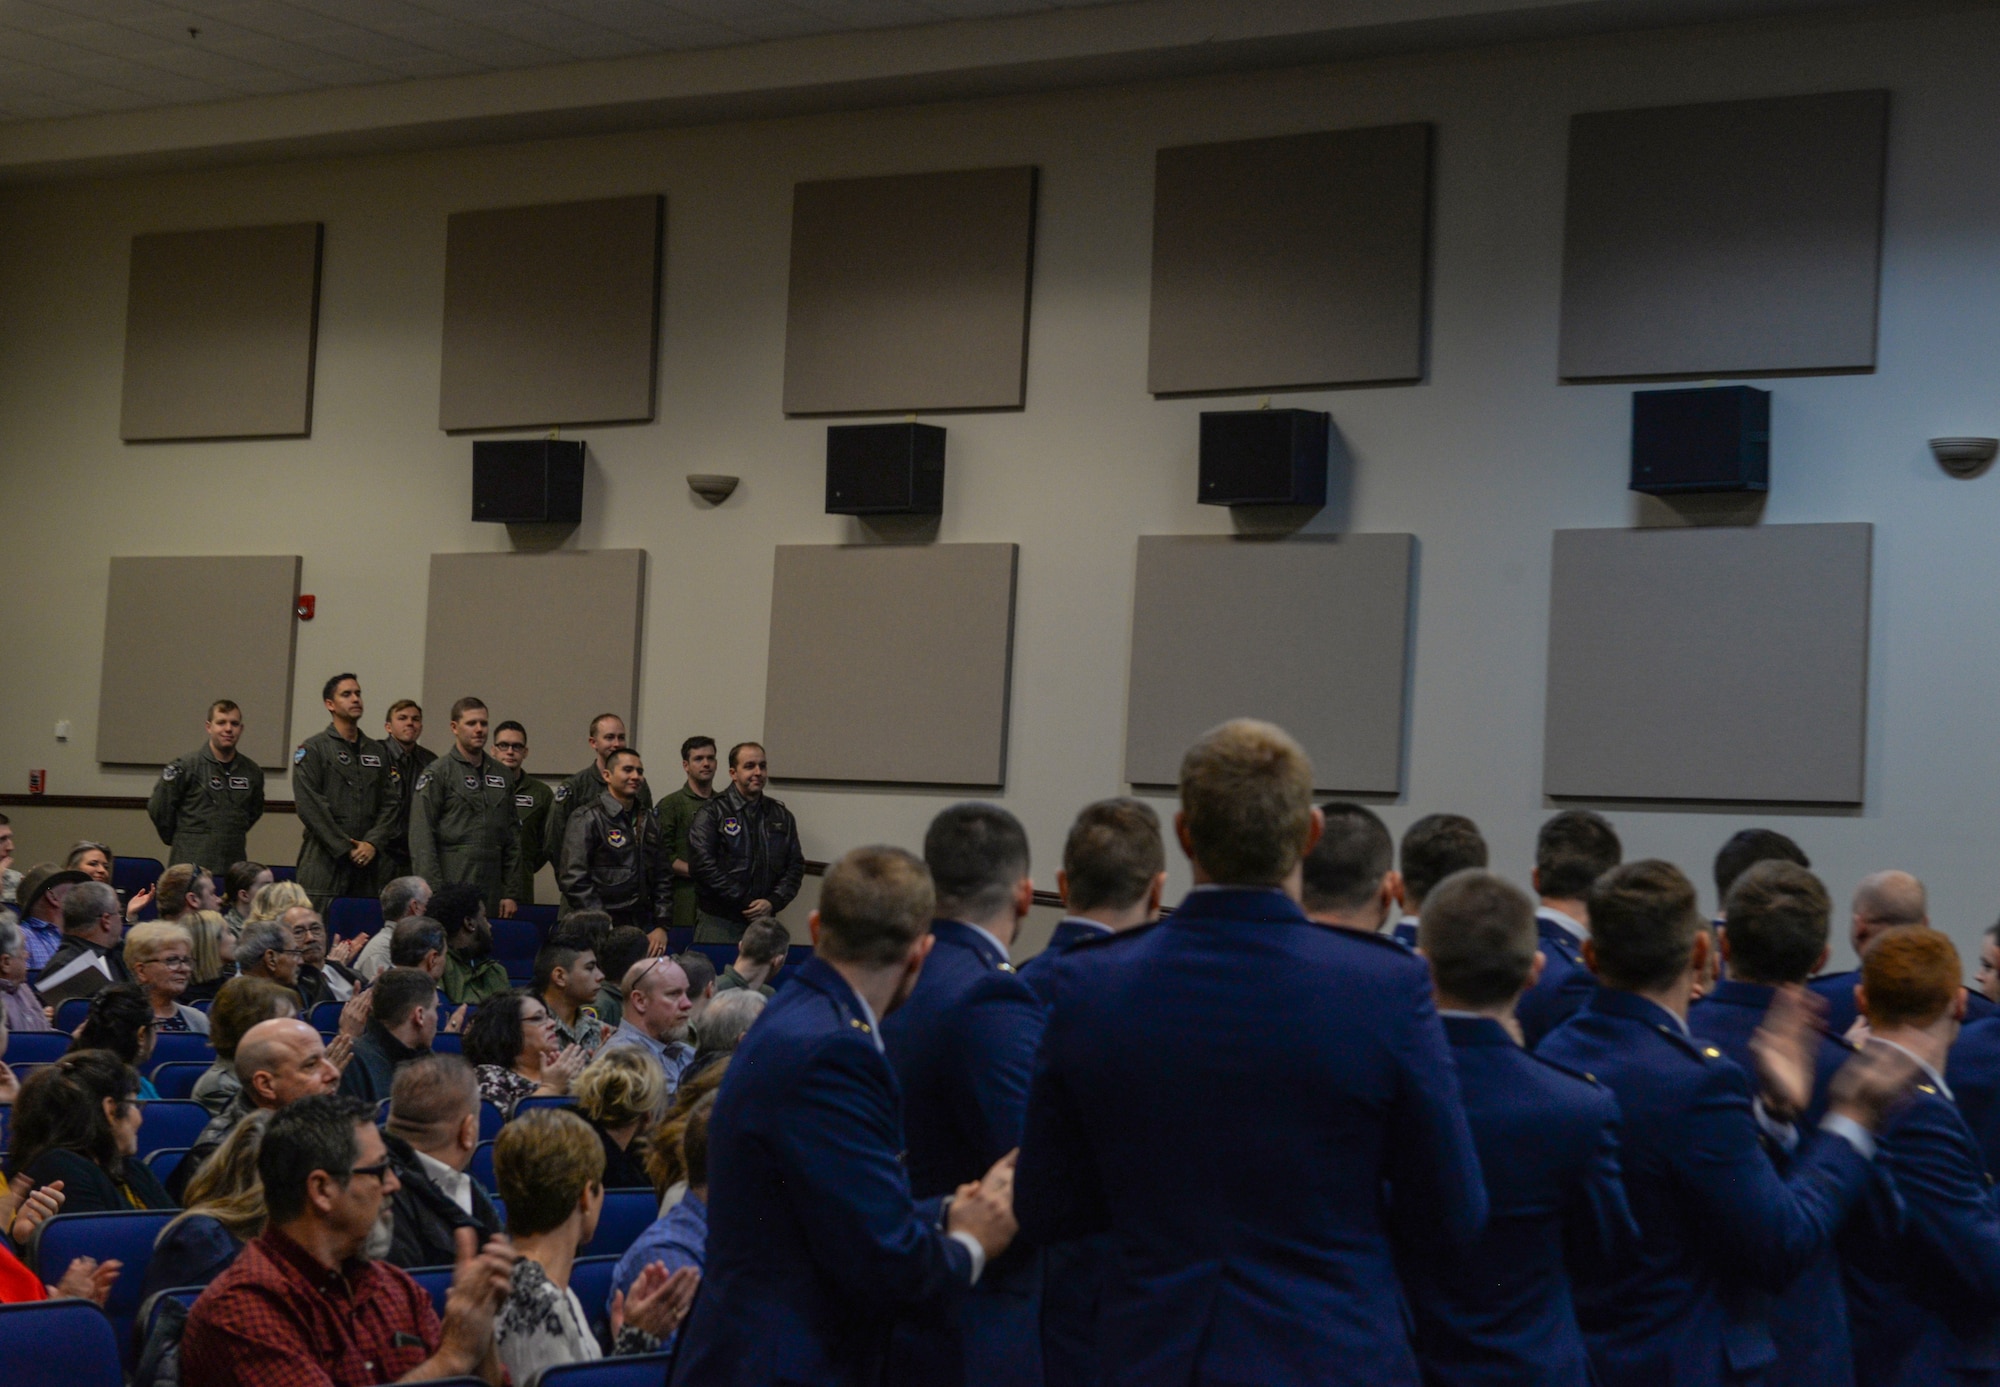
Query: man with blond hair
[{"x": 1248, "y": 1168}]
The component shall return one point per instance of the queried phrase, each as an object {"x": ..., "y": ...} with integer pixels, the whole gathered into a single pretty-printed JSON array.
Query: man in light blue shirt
[
  {"x": 679, "y": 1237},
  {"x": 657, "y": 1007},
  {"x": 40, "y": 899}
]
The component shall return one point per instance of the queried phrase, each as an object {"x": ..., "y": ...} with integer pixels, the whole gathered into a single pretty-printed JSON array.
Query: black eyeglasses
[
  {"x": 511, "y": 746},
  {"x": 379, "y": 1170}
]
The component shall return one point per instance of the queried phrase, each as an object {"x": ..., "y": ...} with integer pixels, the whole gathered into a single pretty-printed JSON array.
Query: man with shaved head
[
  {"x": 278, "y": 1062},
  {"x": 1884, "y": 901},
  {"x": 655, "y": 1019}
]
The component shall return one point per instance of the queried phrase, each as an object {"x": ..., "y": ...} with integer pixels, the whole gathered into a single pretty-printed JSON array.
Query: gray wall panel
[
  {"x": 1709, "y": 664},
  {"x": 220, "y": 328},
  {"x": 1722, "y": 239},
  {"x": 1309, "y": 633},
  {"x": 1291, "y": 261},
  {"x": 890, "y": 663},
  {"x": 550, "y": 640},
  {"x": 154, "y": 692},
  {"x": 552, "y": 314},
  {"x": 910, "y": 292}
]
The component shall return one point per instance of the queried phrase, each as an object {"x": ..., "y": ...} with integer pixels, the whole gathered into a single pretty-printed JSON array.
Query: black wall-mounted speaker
[
  {"x": 1712, "y": 439},
  {"x": 528, "y": 480},
  {"x": 884, "y": 469},
  {"x": 1264, "y": 457}
]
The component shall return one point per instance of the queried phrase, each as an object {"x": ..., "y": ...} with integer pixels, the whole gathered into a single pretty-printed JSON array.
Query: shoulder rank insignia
[
  {"x": 858, "y": 1024},
  {"x": 1711, "y": 1052},
  {"x": 1004, "y": 966}
]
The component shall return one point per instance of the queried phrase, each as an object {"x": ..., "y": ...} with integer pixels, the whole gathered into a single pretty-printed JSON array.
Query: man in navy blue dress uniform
[
  {"x": 1573, "y": 849},
  {"x": 1349, "y": 879},
  {"x": 1228, "y": 1092},
  {"x": 1883, "y": 901},
  {"x": 1720, "y": 1229},
  {"x": 1925, "y": 1304},
  {"x": 1432, "y": 849},
  {"x": 1113, "y": 874},
  {"x": 1773, "y": 935},
  {"x": 963, "y": 1048},
  {"x": 1500, "y": 1314},
  {"x": 816, "y": 1246}
]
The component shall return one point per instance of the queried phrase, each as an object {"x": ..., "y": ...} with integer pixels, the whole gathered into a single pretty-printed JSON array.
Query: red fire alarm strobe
[
  {"x": 304, "y": 609},
  {"x": 38, "y": 781}
]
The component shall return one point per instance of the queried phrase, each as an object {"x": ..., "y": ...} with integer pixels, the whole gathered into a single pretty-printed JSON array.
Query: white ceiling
[{"x": 90, "y": 57}]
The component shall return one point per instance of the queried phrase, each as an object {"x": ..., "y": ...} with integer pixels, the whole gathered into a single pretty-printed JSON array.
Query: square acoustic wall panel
[
  {"x": 552, "y": 314},
  {"x": 1709, "y": 664},
  {"x": 1738, "y": 238},
  {"x": 152, "y": 699},
  {"x": 910, "y": 292},
  {"x": 550, "y": 640},
  {"x": 1290, "y": 262},
  {"x": 1309, "y": 633},
  {"x": 890, "y": 663},
  {"x": 219, "y": 333}
]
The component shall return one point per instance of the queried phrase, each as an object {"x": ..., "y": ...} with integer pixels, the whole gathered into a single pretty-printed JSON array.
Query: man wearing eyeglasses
[
  {"x": 204, "y": 804},
  {"x": 532, "y": 801}
]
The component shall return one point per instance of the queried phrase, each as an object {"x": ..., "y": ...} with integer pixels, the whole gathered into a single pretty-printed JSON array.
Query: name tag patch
[
  {"x": 524, "y": 801},
  {"x": 368, "y": 760},
  {"x": 498, "y": 782},
  {"x": 239, "y": 782}
]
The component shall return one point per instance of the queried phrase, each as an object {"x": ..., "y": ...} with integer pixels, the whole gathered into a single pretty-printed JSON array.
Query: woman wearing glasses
[
  {"x": 161, "y": 957},
  {"x": 77, "y": 1121},
  {"x": 512, "y": 1043}
]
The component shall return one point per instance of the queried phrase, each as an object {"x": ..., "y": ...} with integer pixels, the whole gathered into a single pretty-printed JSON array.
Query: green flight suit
[
  {"x": 532, "y": 800},
  {"x": 409, "y": 767},
  {"x": 203, "y": 808},
  {"x": 677, "y": 812},
  {"x": 346, "y": 791},
  {"x": 581, "y": 788},
  {"x": 463, "y": 826}
]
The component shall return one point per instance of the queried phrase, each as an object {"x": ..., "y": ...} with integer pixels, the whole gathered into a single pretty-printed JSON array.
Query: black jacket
[
  {"x": 739, "y": 852},
  {"x": 425, "y": 1217},
  {"x": 88, "y": 1187},
  {"x": 372, "y": 1071},
  {"x": 613, "y": 858}
]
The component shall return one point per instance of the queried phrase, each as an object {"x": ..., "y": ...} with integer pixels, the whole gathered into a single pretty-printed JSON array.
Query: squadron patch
[
  {"x": 345, "y": 759},
  {"x": 298, "y": 757},
  {"x": 422, "y": 781},
  {"x": 615, "y": 837},
  {"x": 215, "y": 782},
  {"x": 732, "y": 827},
  {"x": 562, "y": 792},
  {"x": 173, "y": 770},
  {"x": 472, "y": 782},
  {"x": 239, "y": 782},
  {"x": 368, "y": 760}
]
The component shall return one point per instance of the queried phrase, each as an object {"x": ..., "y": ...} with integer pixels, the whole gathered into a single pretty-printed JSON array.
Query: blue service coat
[
  {"x": 1500, "y": 1314},
  {"x": 1809, "y": 1317},
  {"x": 815, "y": 1244},
  {"x": 963, "y": 1048},
  {"x": 1838, "y": 990},
  {"x": 1068, "y": 934},
  {"x": 1974, "y": 1075},
  {"x": 1225, "y": 1093},
  {"x": 1565, "y": 984},
  {"x": 1925, "y": 1306},
  {"x": 1720, "y": 1231}
]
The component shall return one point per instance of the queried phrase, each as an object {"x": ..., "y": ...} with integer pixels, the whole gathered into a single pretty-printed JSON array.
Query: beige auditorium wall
[{"x": 1482, "y": 461}]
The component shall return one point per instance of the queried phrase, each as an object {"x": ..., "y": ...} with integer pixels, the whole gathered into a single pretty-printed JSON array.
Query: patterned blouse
[
  {"x": 503, "y": 1088},
  {"x": 544, "y": 1326}
]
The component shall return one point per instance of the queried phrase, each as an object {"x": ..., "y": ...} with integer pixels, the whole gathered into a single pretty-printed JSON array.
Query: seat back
[
  {"x": 126, "y": 1236},
  {"x": 177, "y": 1078},
  {"x": 180, "y": 1047},
  {"x": 448, "y": 1043},
  {"x": 36, "y": 1047},
  {"x": 165, "y": 1161},
  {"x": 626, "y": 1214},
  {"x": 516, "y": 941},
  {"x": 542, "y": 917},
  {"x": 347, "y": 916},
  {"x": 133, "y": 874},
  {"x": 59, "y": 1343},
  {"x": 435, "y": 1280},
  {"x": 481, "y": 1168},
  {"x": 71, "y": 1014},
  {"x": 590, "y": 1278},
  {"x": 526, "y": 1105},
  {"x": 491, "y": 1120},
  {"x": 632, "y": 1370},
  {"x": 168, "y": 1122},
  {"x": 325, "y": 1017}
]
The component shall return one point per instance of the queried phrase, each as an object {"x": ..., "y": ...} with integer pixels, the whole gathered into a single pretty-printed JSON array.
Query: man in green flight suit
[
  {"x": 677, "y": 812},
  {"x": 204, "y": 803},
  {"x": 607, "y": 734},
  {"x": 462, "y": 821},
  {"x": 532, "y": 799},
  {"x": 348, "y": 795}
]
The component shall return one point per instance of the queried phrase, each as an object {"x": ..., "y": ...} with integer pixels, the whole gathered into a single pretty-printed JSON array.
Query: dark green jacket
[
  {"x": 463, "y": 826},
  {"x": 409, "y": 766},
  {"x": 344, "y": 791},
  {"x": 203, "y": 808},
  {"x": 677, "y": 812},
  {"x": 532, "y": 801},
  {"x": 582, "y": 788}
]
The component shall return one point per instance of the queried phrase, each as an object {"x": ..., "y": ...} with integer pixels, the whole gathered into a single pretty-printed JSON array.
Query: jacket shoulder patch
[{"x": 172, "y": 771}]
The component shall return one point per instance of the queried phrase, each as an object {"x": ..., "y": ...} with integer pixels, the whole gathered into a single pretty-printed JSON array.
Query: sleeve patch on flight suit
[
  {"x": 239, "y": 782},
  {"x": 368, "y": 760},
  {"x": 422, "y": 781},
  {"x": 562, "y": 792},
  {"x": 173, "y": 770},
  {"x": 299, "y": 757}
]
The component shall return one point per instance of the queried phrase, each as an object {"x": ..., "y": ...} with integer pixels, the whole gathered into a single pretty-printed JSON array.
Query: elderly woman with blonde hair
[{"x": 160, "y": 957}]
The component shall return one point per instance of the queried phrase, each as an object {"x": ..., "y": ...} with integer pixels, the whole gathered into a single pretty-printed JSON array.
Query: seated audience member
[
  {"x": 241, "y": 1004},
  {"x": 566, "y": 979},
  {"x": 1987, "y": 981},
  {"x": 269, "y": 950},
  {"x": 760, "y": 953},
  {"x": 225, "y": 1209},
  {"x": 723, "y": 1026},
  {"x": 1745, "y": 849},
  {"x": 212, "y": 946},
  {"x": 77, "y": 1121},
  {"x": 1113, "y": 877},
  {"x": 1720, "y": 1230},
  {"x": 1924, "y": 1304},
  {"x": 39, "y": 901},
  {"x": 323, "y": 977},
  {"x": 161, "y": 958},
  {"x": 183, "y": 888},
  {"x": 89, "y": 958},
  {"x": 1773, "y": 935},
  {"x": 21, "y": 1213},
  {"x": 619, "y": 1095},
  {"x": 1501, "y": 1310},
  {"x": 240, "y": 885},
  {"x": 589, "y": 925},
  {"x": 679, "y": 1237},
  {"x": 418, "y": 942},
  {"x": 1883, "y": 901},
  {"x": 95, "y": 861},
  {"x": 403, "y": 899},
  {"x": 620, "y": 950},
  {"x": 1433, "y": 848},
  {"x": 277, "y": 1063},
  {"x": 310, "y": 1301},
  {"x": 699, "y": 970},
  {"x": 512, "y": 1044},
  {"x": 548, "y": 1166},
  {"x": 433, "y": 1131},
  {"x": 20, "y": 1005},
  {"x": 120, "y": 1020},
  {"x": 665, "y": 1163},
  {"x": 1572, "y": 850},
  {"x": 271, "y": 900},
  {"x": 402, "y": 1023},
  {"x": 471, "y": 974},
  {"x": 657, "y": 1007},
  {"x": 1349, "y": 876},
  {"x": 815, "y": 1246}
]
